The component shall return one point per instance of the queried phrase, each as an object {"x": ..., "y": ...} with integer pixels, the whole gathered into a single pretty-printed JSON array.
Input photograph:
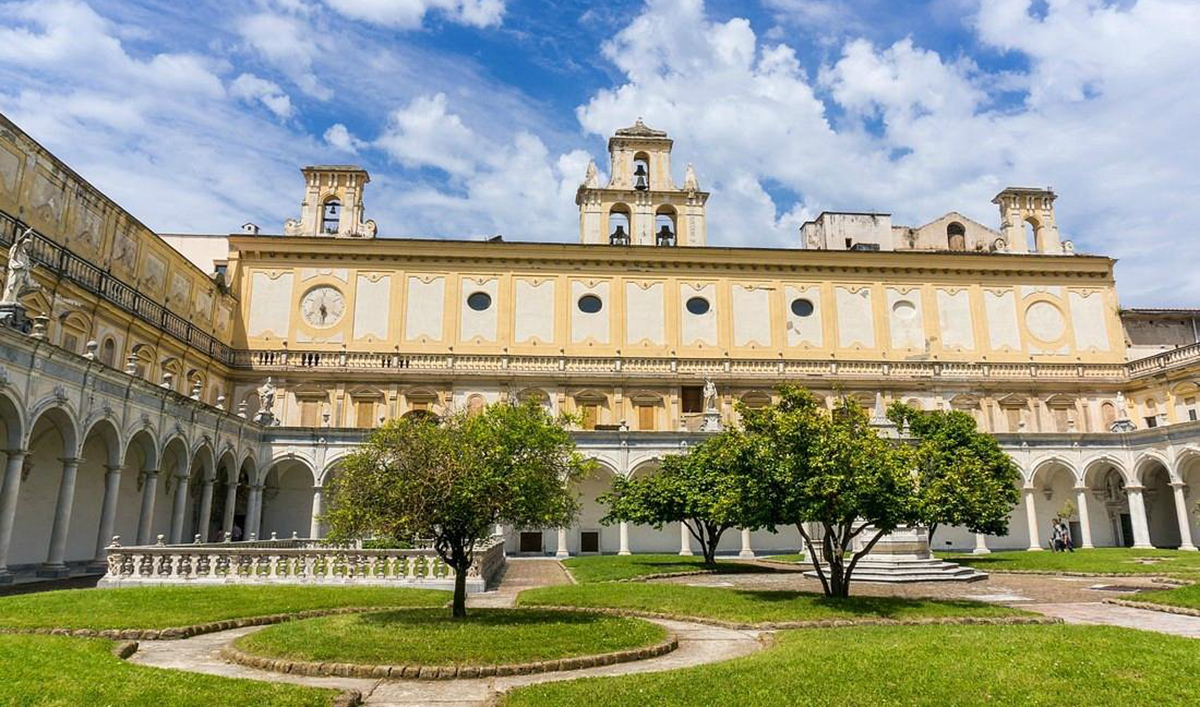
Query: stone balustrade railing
[{"x": 303, "y": 562}]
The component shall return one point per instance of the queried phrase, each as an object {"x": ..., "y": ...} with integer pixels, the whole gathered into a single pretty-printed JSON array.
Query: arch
[
  {"x": 287, "y": 497},
  {"x": 99, "y": 453},
  {"x": 646, "y": 466},
  {"x": 666, "y": 226},
  {"x": 756, "y": 398},
  {"x": 1033, "y": 234},
  {"x": 58, "y": 414},
  {"x": 142, "y": 441},
  {"x": 589, "y": 535},
  {"x": 956, "y": 236},
  {"x": 1145, "y": 462},
  {"x": 475, "y": 404},
  {"x": 1158, "y": 499},
  {"x": 1046, "y": 467},
  {"x": 12, "y": 418},
  {"x": 104, "y": 426},
  {"x": 1097, "y": 466},
  {"x": 331, "y": 215},
  {"x": 620, "y": 216},
  {"x": 73, "y": 330},
  {"x": 53, "y": 435},
  {"x": 108, "y": 351},
  {"x": 174, "y": 366},
  {"x": 640, "y": 179},
  {"x": 143, "y": 361}
]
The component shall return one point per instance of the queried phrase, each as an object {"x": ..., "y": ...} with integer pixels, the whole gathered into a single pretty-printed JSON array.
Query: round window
[
  {"x": 479, "y": 301},
  {"x": 802, "y": 307},
  {"x": 905, "y": 309},
  {"x": 590, "y": 304},
  {"x": 697, "y": 305}
]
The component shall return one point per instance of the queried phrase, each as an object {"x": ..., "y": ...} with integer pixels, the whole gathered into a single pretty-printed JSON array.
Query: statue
[
  {"x": 266, "y": 401},
  {"x": 690, "y": 183},
  {"x": 710, "y": 396},
  {"x": 19, "y": 278},
  {"x": 291, "y": 227},
  {"x": 590, "y": 180}
]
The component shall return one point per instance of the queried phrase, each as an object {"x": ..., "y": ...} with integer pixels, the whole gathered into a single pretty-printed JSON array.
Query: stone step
[{"x": 907, "y": 571}]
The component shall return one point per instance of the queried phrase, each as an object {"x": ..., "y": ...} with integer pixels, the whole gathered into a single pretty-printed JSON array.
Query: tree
[
  {"x": 701, "y": 488},
  {"x": 964, "y": 478},
  {"x": 828, "y": 468},
  {"x": 452, "y": 480}
]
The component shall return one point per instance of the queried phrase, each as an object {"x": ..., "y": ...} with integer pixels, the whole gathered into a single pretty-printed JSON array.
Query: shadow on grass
[
  {"x": 417, "y": 618},
  {"x": 876, "y": 607}
]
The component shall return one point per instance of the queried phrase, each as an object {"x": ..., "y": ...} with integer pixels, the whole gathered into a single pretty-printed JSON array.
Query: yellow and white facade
[{"x": 621, "y": 328}]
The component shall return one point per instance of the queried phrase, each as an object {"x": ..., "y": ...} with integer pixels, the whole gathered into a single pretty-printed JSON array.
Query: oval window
[
  {"x": 590, "y": 304},
  {"x": 697, "y": 305},
  {"x": 479, "y": 301},
  {"x": 904, "y": 309},
  {"x": 802, "y": 307}
]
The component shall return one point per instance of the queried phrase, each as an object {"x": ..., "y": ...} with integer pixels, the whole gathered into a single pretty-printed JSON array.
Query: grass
[
  {"x": 58, "y": 670},
  {"x": 928, "y": 665},
  {"x": 748, "y": 606},
  {"x": 1100, "y": 560},
  {"x": 165, "y": 607},
  {"x": 1188, "y": 597},
  {"x": 430, "y": 637},
  {"x": 608, "y": 568},
  {"x": 794, "y": 558}
]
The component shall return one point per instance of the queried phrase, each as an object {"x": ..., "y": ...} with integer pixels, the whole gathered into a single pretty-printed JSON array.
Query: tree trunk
[
  {"x": 812, "y": 554},
  {"x": 460, "y": 590}
]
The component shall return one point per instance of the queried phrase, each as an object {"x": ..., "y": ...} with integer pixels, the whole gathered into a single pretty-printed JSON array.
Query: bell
[
  {"x": 665, "y": 236},
  {"x": 639, "y": 178},
  {"x": 619, "y": 236}
]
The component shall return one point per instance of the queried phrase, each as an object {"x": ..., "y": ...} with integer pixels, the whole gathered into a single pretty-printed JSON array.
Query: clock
[{"x": 322, "y": 306}]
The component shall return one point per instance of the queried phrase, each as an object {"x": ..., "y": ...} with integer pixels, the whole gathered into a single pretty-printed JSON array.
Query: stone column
[
  {"x": 562, "y": 544},
  {"x": 1035, "y": 542},
  {"x": 108, "y": 516},
  {"x": 146, "y": 517},
  {"x": 1181, "y": 514},
  {"x": 1137, "y": 512},
  {"x": 230, "y": 510},
  {"x": 8, "y": 506},
  {"x": 981, "y": 547},
  {"x": 685, "y": 541},
  {"x": 178, "y": 507},
  {"x": 253, "y": 512},
  {"x": 624, "y": 528},
  {"x": 747, "y": 551},
  {"x": 55, "y": 566},
  {"x": 1085, "y": 521},
  {"x": 206, "y": 493},
  {"x": 318, "y": 507}
]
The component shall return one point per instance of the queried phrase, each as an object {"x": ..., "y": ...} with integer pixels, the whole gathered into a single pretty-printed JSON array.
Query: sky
[{"x": 479, "y": 117}]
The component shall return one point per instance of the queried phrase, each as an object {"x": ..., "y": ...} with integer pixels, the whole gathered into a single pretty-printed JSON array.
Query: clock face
[{"x": 322, "y": 306}]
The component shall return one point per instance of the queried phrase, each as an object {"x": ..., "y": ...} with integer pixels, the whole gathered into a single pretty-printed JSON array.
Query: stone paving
[{"x": 1125, "y": 616}]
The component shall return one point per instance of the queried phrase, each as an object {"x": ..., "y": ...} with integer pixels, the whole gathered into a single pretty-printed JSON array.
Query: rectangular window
[
  {"x": 1152, "y": 421},
  {"x": 693, "y": 398},
  {"x": 1013, "y": 417},
  {"x": 1060, "y": 420},
  {"x": 531, "y": 541},
  {"x": 645, "y": 417},
  {"x": 1192, "y": 414},
  {"x": 308, "y": 413},
  {"x": 589, "y": 541},
  {"x": 70, "y": 342},
  {"x": 591, "y": 415},
  {"x": 364, "y": 413}
]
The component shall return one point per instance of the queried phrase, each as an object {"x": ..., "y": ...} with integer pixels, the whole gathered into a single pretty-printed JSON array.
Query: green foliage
[
  {"x": 1067, "y": 512},
  {"x": 831, "y": 469},
  {"x": 454, "y": 479},
  {"x": 964, "y": 478},
  {"x": 703, "y": 488}
]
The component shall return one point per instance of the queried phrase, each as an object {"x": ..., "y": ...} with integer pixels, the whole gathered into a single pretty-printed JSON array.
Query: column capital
[
  {"x": 114, "y": 468},
  {"x": 1178, "y": 484},
  {"x": 1080, "y": 489},
  {"x": 150, "y": 472},
  {"x": 75, "y": 461},
  {"x": 1135, "y": 488},
  {"x": 16, "y": 453}
]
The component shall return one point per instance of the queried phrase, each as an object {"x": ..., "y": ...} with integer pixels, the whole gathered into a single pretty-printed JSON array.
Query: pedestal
[
  {"x": 12, "y": 314},
  {"x": 902, "y": 556},
  {"x": 711, "y": 421}
]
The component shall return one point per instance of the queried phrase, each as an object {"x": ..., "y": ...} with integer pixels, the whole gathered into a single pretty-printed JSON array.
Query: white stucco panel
[
  {"x": 586, "y": 326},
  {"x": 479, "y": 325},
  {"x": 426, "y": 302},
  {"x": 1001, "y": 311},
  {"x": 954, "y": 319},
  {"x": 856, "y": 325},
  {"x": 698, "y": 329},
  {"x": 270, "y": 304},
  {"x": 534, "y": 316},
  {"x": 906, "y": 320},
  {"x": 372, "y": 306},
  {"x": 803, "y": 330},
  {"x": 1087, "y": 316},
  {"x": 644, "y": 314},
  {"x": 751, "y": 315}
]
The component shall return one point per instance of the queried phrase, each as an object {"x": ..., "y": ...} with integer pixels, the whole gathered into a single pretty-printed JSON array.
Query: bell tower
[
  {"x": 333, "y": 203},
  {"x": 1022, "y": 207},
  {"x": 641, "y": 205}
]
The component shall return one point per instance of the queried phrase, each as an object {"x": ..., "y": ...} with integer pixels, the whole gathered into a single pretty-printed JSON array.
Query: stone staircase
[{"x": 911, "y": 570}]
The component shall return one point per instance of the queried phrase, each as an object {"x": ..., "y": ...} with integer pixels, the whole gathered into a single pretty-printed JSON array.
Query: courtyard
[{"x": 634, "y": 630}]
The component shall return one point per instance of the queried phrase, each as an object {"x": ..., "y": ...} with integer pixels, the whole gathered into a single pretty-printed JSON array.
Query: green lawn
[
  {"x": 165, "y": 607},
  {"x": 746, "y": 606},
  {"x": 431, "y": 637},
  {"x": 793, "y": 558},
  {"x": 607, "y": 568},
  {"x": 928, "y": 665},
  {"x": 57, "y": 670},
  {"x": 1100, "y": 560},
  {"x": 1188, "y": 597}
]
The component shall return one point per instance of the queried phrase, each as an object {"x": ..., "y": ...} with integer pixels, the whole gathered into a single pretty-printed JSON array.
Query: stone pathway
[
  {"x": 698, "y": 645},
  {"x": 520, "y": 573},
  {"x": 1128, "y": 617}
]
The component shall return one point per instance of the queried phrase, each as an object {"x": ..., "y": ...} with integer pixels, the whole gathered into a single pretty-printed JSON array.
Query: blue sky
[{"x": 477, "y": 117}]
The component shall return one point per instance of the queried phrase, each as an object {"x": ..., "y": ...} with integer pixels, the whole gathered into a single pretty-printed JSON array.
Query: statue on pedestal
[
  {"x": 712, "y": 416},
  {"x": 266, "y": 402},
  {"x": 19, "y": 276}
]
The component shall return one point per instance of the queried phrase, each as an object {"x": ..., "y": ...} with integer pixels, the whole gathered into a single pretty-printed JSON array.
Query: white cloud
[
  {"x": 409, "y": 14},
  {"x": 424, "y": 134},
  {"x": 249, "y": 87},
  {"x": 338, "y": 137},
  {"x": 290, "y": 45}
]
